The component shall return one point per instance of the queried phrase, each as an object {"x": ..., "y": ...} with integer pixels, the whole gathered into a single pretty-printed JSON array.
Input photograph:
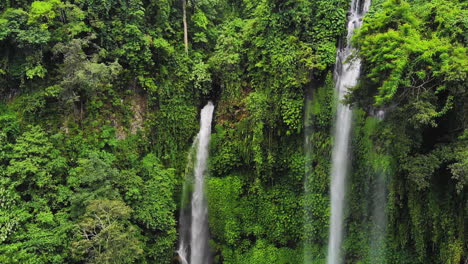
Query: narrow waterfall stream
[
  {"x": 346, "y": 76},
  {"x": 378, "y": 219},
  {"x": 198, "y": 234},
  {"x": 185, "y": 208},
  {"x": 378, "y": 193}
]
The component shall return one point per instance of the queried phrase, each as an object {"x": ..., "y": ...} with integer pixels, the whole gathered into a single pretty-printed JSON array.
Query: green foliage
[
  {"x": 83, "y": 77},
  {"x": 176, "y": 123},
  {"x": 34, "y": 163},
  {"x": 406, "y": 56},
  {"x": 264, "y": 253},
  {"x": 99, "y": 106},
  {"x": 414, "y": 58},
  {"x": 459, "y": 167},
  {"x": 201, "y": 78},
  {"x": 265, "y": 213},
  {"x": 227, "y": 156},
  {"x": 318, "y": 119},
  {"x": 106, "y": 235},
  {"x": 224, "y": 209},
  {"x": 155, "y": 207},
  {"x": 28, "y": 187},
  {"x": 27, "y": 35},
  {"x": 94, "y": 178}
]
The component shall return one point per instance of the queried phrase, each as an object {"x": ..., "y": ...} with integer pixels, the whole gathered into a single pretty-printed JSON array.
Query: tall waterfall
[
  {"x": 199, "y": 248},
  {"x": 346, "y": 76}
]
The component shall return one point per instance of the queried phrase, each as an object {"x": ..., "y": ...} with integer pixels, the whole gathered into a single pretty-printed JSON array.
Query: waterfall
[
  {"x": 185, "y": 213},
  {"x": 379, "y": 218},
  {"x": 378, "y": 194},
  {"x": 198, "y": 236},
  {"x": 346, "y": 75}
]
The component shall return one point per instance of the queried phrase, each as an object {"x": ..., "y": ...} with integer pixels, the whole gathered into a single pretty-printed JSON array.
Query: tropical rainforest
[{"x": 100, "y": 103}]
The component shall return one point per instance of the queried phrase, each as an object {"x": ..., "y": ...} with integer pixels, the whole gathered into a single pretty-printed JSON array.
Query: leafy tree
[
  {"x": 94, "y": 178},
  {"x": 105, "y": 234},
  {"x": 34, "y": 164},
  {"x": 154, "y": 208},
  {"x": 82, "y": 77},
  {"x": 33, "y": 230}
]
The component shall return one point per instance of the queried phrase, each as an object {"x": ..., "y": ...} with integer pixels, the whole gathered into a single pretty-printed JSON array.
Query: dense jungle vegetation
[{"x": 100, "y": 101}]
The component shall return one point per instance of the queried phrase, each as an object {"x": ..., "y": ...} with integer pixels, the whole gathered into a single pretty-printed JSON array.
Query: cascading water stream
[
  {"x": 378, "y": 194},
  {"x": 199, "y": 248},
  {"x": 185, "y": 212},
  {"x": 379, "y": 218},
  {"x": 346, "y": 76}
]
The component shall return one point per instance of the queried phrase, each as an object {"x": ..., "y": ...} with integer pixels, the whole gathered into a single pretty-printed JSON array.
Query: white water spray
[
  {"x": 346, "y": 76},
  {"x": 199, "y": 235}
]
